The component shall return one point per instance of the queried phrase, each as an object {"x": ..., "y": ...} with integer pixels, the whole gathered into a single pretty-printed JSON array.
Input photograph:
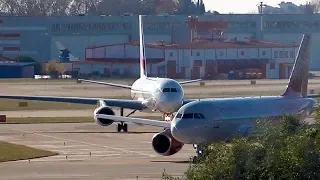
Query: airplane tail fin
[
  {"x": 143, "y": 69},
  {"x": 298, "y": 81},
  {"x": 65, "y": 54}
]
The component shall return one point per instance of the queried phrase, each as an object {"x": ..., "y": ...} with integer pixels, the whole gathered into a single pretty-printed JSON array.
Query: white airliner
[
  {"x": 209, "y": 120},
  {"x": 149, "y": 94},
  {"x": 206, "y": 121}
]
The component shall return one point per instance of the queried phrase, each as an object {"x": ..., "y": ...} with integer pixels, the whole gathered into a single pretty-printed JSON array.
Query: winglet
[{"x": 298, "y": 81}]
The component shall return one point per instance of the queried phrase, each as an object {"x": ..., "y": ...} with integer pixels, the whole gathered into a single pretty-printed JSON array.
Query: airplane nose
[
  {"x": 177, "y": 130},
  {"x": 171, "y": 102}
]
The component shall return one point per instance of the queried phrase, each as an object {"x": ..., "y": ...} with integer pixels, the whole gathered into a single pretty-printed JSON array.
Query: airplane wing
[
  {"x": 123, "y": 103},
  {"x": 313, "y": 96},
  {"x": 105, "y": 83},
  {"x": 190, "y": 81},
  {"x": 157, "y": 123}
]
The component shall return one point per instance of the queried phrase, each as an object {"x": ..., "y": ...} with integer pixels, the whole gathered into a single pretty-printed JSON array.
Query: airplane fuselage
[
  {"x": 223, "y": 119},
  {"x": 158, "y": 94}
]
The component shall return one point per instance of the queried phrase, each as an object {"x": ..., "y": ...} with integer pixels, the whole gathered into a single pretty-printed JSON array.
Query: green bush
[{"x": 288, "y": 151}]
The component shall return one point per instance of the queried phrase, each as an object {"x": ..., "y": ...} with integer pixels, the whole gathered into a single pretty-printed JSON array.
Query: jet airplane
[
  {"x": 209, "y": 120},
  {"x": 150, "y": 94}
]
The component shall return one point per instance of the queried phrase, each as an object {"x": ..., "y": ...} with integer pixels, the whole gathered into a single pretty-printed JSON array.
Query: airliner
[
  {"x": 209, "y": 120},
  {"x": 149, "y": 94}
]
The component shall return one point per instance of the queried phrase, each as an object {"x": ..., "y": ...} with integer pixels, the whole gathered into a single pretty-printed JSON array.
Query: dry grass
[
  {"x": 10, "y": 105},
  {"x": 14, "y": 152}
]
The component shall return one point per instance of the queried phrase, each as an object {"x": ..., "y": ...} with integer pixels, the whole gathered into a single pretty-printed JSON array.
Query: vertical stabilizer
[
  {"x": 143, "y": 70},
  {"x": 65, "y": 54},
  {"x": 298, "y": 81}
]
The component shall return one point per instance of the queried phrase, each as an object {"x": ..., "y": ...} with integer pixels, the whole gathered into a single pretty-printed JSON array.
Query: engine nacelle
[
  {"x": 165, "y": 144},
  {"x": 103, "y": 110}
]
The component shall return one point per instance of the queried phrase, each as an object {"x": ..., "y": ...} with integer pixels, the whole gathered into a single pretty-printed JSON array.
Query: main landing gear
[
  {"x": 200, "y": 150},
  {"x": 123, "y": 126}
]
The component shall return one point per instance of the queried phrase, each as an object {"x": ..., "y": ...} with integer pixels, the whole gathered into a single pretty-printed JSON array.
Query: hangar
[
  {"x": 9, "y": 68},
  {"x": 208, "y": 60}
]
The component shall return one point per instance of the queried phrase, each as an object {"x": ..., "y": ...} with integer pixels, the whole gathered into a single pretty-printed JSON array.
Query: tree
[
  {"x": 28, "y": 59},
  {"x": 288, "y": 151},
  {"x": 89, "y": 7},
  {"x": 54, "y": 69},
  {"x": 187, "y": 7},
  {"x": 202, "y": 7}
]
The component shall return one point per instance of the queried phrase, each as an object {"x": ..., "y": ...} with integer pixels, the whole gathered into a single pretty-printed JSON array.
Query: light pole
[{"x": 260, "y": 7}]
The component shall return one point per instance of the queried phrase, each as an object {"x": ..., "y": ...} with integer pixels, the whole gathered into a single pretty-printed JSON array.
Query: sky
[{"x": 242, "y": 6}]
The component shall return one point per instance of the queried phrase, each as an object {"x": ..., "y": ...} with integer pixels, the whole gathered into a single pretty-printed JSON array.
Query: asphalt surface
[{"x": 113, "y": 155}]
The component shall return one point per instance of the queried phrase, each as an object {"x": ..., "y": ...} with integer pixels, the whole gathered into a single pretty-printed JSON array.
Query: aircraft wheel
[
  {"x": 119, "y": 127},
  {"x": 125, "y": 127},
  {"x": 195, "y": 160}
]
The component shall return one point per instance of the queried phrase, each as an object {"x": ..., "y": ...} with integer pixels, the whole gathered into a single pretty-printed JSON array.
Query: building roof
[
  {"x": 117, "y": 61},
  {"x": 6, "y": 60},
  {"x": 16, "y": 64},
  {"x": 217, "y": 45}
]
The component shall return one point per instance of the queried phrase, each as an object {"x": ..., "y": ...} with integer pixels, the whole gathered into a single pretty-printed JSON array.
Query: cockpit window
[
  {"x": 179, "y": 115},
  {"x": 201, "y": 115},
  {"x": 174, "y": 90},
  {"x": 166, "y": 89},
  {"x": 188, "y": 116},
  {"x": 196, "y": 116}
]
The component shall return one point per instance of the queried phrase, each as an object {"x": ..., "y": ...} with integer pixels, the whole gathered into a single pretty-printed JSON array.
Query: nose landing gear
[
  {"x": 200, "y": 150},
  {"x": 168, "y": 117}
]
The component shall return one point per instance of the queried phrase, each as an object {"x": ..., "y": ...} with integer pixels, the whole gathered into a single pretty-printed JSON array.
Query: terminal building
[
  {"x": 207, "y": 60},
  {"x": 281, "y": 34}
]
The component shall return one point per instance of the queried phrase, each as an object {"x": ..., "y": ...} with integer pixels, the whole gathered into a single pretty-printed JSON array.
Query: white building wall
[
  {"x": 253, "y": 53},
  {"x": 116, "y": 51},
  {"x": 210, "y": 54},
  {"x": 243, "y": 53},
  {"x": 221, "y": 54},
  {"x": 265, "y": 53},
  {"x": 232, "y": 53},
  {"x": 272, "y": 73}
]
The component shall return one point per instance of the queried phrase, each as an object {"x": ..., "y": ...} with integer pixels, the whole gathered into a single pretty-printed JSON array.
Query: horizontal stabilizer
[
  {"x": 105, "y": 83},
  {"x": 190, "y": 81}
]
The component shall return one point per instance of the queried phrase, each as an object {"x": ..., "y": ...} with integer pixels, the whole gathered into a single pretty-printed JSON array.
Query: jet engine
[
  {"x": 165, "y": 144},
  {"x": 103, "y": 110}
]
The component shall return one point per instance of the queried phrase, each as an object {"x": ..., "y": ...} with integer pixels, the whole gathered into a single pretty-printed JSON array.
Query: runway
[
  {"x": 90, "y": 151},
  {"x": 113, "y": 155}
]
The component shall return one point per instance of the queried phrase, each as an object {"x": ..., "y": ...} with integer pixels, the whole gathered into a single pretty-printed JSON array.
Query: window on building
[
  {"x": 286, "y": 54},
  {"x": 171, "y": 54},
  {"x": 198, "y": 54},
  {"x": 276, "y": 54},
  {"x": 281, "y": 54},
  {"x": 272, "y": 65},
  {"x": 291, "y": 54}
]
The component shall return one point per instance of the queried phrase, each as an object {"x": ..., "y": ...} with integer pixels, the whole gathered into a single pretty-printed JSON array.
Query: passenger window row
[{"x": 190, "y": 116}]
